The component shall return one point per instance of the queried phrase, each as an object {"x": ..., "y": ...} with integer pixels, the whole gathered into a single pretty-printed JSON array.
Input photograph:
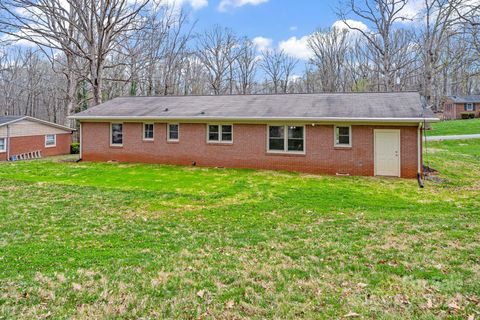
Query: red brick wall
[
  {"x": 248, "y": 149},
  {"x": 32, "y": 143}
]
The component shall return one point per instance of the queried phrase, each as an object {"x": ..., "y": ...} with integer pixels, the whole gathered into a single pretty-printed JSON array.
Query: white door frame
[{"x": 399, "y": 149}]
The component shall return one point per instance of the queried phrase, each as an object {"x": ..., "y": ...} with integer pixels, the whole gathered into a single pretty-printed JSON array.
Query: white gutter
[{"x": 303, "y": 119}]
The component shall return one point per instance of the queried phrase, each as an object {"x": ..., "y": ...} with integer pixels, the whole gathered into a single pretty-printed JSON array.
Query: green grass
[
  {"x": 86, "y": 240},
  {"x": 452, "y": 127}
]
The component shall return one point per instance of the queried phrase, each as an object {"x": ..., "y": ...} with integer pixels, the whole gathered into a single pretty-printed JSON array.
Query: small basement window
[
  {"x": 50, "y": 140},
  {"x": 3, "y": 144},
  {"x": 293, "y": 141},
  {"x": 173, "y": 132},
  {"x": 343, "y": 136},
  {"x": 220, "y": 133},
  {"x": 116, "y": 134},
  {"x": 148, "y": 131}
]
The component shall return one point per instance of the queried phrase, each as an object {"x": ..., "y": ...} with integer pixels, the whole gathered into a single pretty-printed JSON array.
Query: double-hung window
[
  {"x": 469, "y": 107},
  {"x": 343, "y": 136},
  {"x": 148, "y": 131},
  {"x": 3, "y": 144},
  {"x": 50, "y": 140},
  {"x": 173, "y": 132},
  {"x": 220, "y": 133},
  {"x": 116, "y": 134},
  {"x": 286, "y": 139}
]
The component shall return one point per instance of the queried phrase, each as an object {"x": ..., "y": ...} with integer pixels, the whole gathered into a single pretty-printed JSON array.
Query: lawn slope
[
  {"x": 454, "y": 127},
  {"x": 86, "y": 240}
]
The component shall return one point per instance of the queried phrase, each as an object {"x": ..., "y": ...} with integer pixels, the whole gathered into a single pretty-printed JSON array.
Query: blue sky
[
  {"x": 275, "y": 19},
  {"x": 285, "y": 24},
  {"x": 270, "y": 23}
]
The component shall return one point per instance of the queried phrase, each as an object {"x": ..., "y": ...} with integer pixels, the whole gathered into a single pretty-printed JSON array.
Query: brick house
[
  {"x": 461, "y": 107},
  {"x": 23, "y": 137},
  {"x": 345, "y": 134}
]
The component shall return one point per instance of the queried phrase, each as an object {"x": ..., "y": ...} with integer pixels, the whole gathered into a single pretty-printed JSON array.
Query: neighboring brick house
[
  {"x": 461, "y": 107},
  {"x": 27, "y": 137},
  {"x": 346, "y": 134}
]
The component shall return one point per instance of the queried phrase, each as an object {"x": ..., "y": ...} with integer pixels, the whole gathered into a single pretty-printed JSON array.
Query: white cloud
[
  {"x": 296, "y": 47},
  {"x": 226, "y": 4},
  {"x": 195, "y": 4},
  {"x": 341, "y": 25},
  {"x": 413, "y": 10},
  {"x": 293, "y": 28},
  {"x": 262, "y": 43}
]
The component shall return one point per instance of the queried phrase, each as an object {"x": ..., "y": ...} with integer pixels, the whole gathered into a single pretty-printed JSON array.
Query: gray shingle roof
[
  {"x": 465, "y": 99},
  {"x": 335, "y": 106},
  {"x": 7, "y": 119}
]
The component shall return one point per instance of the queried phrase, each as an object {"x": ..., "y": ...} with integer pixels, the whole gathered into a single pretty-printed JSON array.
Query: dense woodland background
[{"x": 58, "y": 57}]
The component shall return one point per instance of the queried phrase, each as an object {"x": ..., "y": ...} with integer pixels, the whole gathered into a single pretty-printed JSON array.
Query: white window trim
[
  {"x": 340, "y": 145},
  {"x": 219, "y": 141},
  {"x": 168, "y": 132},
  {"x": 285, "y": 139},
  {"x": 143, "y": 131},
  {"x": 54, "y": 141},
  {"x": 469, "y": 107},
  {"x": 111, "y": 135},
  {"x": 4, "y": 145}
]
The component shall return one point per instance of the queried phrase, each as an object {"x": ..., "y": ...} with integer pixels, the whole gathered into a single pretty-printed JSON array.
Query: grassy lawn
[
  {"x": 85, "y": 240},
  {"x": 444, "y": 128}
]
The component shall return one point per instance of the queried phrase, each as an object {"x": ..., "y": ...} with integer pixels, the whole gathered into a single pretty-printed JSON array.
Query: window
[
  {"x": 148, "y": 131},
  {"x": 293, "y": 141},
  {"x": 50, "y": 140},
  {"x": 173, "y": 132},
  {"x": 116, "y": 134},
  {"x": 469, "y": 107},
  {"x": 3, "y": 144},
  {"x": 343, "y": 136},
  {"x": 220, "y": 133}
]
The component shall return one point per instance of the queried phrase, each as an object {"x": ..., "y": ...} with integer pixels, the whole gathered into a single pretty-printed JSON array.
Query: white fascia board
[{"x": 256, "y": 119}]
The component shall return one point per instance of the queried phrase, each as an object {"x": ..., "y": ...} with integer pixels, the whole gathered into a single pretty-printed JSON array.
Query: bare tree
[
  {"x": 247, "y": 63},
  {"x": 272, "y": 64},
  {"x": 381, "y": 15},
  {"x": 288, "y": 65},
  {"x": 84, "y": 29},
  {"x": 215, "y": 50},
  {"x": 330, "y": 49}
]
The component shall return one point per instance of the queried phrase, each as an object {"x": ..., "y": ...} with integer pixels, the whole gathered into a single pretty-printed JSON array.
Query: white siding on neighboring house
[{"x": 29, "y": 128}]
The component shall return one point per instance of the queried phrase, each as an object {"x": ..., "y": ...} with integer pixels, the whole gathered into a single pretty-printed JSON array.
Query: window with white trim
[
  {"x": 148, "y": 131},
  {"x": 343, "y": 136},
  {"x": 173, "y": 132},
  {"x": 50, "y": 140},
  {"x": 469, "y": 107},
  {"x": 220, "y": 133},
  {"x": 116, "y": 134},
  {"x": 286, "y": 138},
  {"x": 3, "y": 144}
]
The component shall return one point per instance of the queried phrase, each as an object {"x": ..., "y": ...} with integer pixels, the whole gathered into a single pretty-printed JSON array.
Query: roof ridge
[{"x": 268, "y": 94}]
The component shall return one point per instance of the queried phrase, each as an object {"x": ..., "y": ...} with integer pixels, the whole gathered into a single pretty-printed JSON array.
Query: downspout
[
  {"x": 80, "y": 141},
  {"x": 419, "y": 151},
  {"x": 8, "y": 142},
  {"x": 419, "y": 155}
]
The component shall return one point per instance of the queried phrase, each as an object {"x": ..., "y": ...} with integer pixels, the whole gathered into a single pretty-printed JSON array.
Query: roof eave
[{"x": 256, "y": 119}]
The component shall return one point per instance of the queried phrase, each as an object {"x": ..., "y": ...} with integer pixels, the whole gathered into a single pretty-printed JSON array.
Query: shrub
[
  {"x": 75, "y": 148},
  {"x": 467, "y": 115}
]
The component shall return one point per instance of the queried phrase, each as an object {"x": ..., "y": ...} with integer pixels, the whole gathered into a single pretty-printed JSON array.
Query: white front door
[{"x": 387, "y": 152}]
